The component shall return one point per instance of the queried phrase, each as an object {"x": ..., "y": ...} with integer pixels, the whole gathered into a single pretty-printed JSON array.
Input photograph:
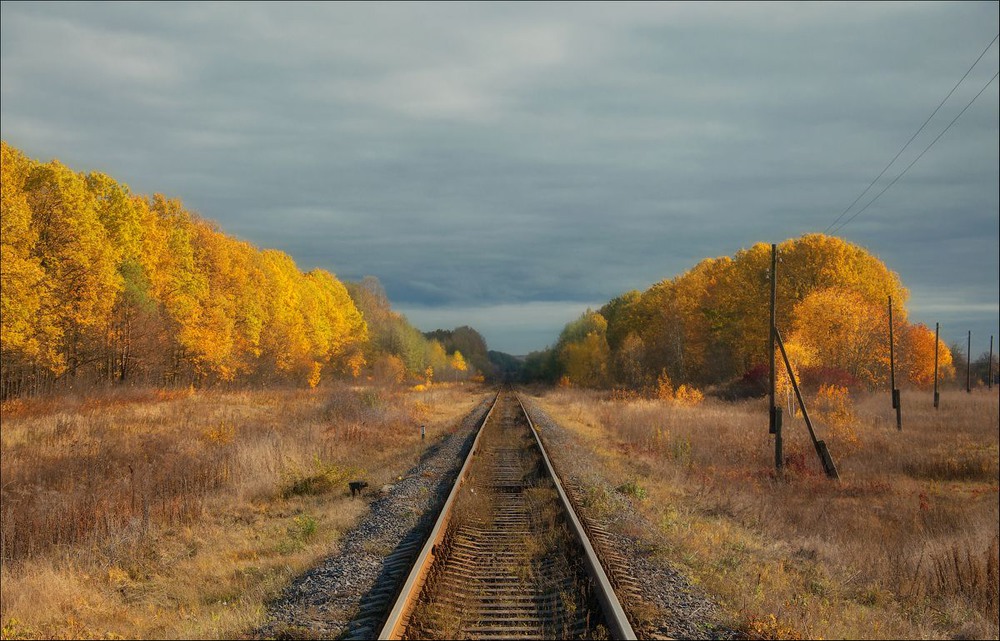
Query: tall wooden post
[
  {"x": 937, "y": 333},
  {"x": 989, "y": 367},
  {"x": 892, "y": 359},
  {"x": 775, "y": 411},
  {"x": 968, "y": 365},
  {"x": 892, "y": 373}
]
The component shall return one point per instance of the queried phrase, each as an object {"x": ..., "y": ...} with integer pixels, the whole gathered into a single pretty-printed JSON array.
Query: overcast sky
[{"x": 508, "y": 165}]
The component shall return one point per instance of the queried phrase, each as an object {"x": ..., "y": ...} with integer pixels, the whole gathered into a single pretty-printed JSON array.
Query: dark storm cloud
[{"x": 509, "y": 163}]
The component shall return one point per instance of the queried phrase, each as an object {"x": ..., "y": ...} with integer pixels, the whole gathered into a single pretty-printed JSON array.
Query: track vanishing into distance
[{"x": 508, "y": 557}]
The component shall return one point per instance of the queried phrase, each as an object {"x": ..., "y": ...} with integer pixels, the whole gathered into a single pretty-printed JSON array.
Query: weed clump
[
  {"x": 633, "y": 489},
  {"x": 322, "y": 477}
]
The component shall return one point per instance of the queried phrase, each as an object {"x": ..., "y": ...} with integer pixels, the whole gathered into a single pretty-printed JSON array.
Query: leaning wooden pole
[
  {"x": 821, "y": 450},
  {"x": 892, "y": 373},
  {"x": 775, "y": 412}
]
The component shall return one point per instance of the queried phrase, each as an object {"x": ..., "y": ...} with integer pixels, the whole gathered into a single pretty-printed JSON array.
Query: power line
[
  {"x": 955, "y": 119},
  {"x": 894, "y": 158}
]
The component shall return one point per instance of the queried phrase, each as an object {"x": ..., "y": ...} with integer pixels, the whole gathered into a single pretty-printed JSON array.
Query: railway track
[{"x": 508, "y": 557}]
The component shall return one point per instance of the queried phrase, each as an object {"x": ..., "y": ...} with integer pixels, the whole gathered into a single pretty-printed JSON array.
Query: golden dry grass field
[
  {"x": 178, "y": 514},
  {"x": 905, "y": 545}
]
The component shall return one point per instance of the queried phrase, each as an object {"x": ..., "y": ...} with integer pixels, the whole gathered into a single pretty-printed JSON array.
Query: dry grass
[
  {"x": 904, "y": 546},
  {"x": 178, "y": 514}
]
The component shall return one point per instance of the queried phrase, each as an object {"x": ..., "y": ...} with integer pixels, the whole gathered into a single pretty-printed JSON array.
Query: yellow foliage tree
[
  {"x": 583, "y": 350},
  {"x": 354, "y": 363},
  {"x": 586, "y": 362},
  {"x": 834, "y": 407},
  {"x": 664, "y": 388},
  {"x": 78, "y": 258},
  {"x": 710, "y": 324},
  {"x": 99, "y": 282},
  {"x": 916, "y": 357},
  {"x": 31, "y": 336},
  {"x": 842, "y": 329},
  {"x": 437, "y": 358},
  {"x": 458, "y": 363},
  {"x": 389, "y": 368}
]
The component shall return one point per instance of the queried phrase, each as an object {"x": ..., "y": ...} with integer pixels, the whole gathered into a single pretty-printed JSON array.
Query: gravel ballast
[
  {"x": 348, "y": 593},
  {"x": 672, "y": 607}
]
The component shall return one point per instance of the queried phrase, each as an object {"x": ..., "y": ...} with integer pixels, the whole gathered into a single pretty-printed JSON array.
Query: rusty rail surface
[{"x": 480, "y": 572}]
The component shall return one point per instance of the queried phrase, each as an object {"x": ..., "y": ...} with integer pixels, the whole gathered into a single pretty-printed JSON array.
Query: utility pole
[
  {"x": 775, "y": 412},
  {"x": 968, "y": 365},
  {"x": 937, "y": 333},
  {"x": 989, "y": 367},
  {"x": 892, "y": 374}
]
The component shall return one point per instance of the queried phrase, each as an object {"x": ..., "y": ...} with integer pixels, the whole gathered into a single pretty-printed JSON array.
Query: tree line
[
  {"x": 709, "y": 326},
  {"x": 397, "y": 351},
  {"x": 102, "y": 285},
  {"x": 99, "y": 285}
]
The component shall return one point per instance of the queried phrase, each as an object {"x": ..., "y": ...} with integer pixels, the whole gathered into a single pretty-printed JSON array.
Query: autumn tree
[
  {"x": 710, "y": 324},
  {"x": 916, "y": 357},
  {"x": 624, "y": 315},
  {"x": 839, "y": 328},
  {"x": 31, "y": 336},
  {"x": 389, "y": 332},
  {"x": 335, "y": 327},
  {"x": 457, "y": 363},
  {"x": 468, "y": 341},
  {"x": 78, "y": 258},
  {"x": 437, "y": 360},
  {"x": 99, "y": 284},
  {"x": 583, "y": 351},
  {"x": 585, "y": 362},
  {"x": 125, "y": 220},
  {"x": 627, "y": 367}
]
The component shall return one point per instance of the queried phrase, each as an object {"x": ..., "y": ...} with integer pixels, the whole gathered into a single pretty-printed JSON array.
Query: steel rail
[
  {"x": 395, "y": 623},
  {"x": 615, "y": 618}
]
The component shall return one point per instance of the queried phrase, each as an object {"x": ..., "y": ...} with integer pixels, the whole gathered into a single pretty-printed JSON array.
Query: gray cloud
[{"x": 476, "y": 156}]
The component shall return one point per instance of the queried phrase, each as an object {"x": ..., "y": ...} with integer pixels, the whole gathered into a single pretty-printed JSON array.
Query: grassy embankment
[
  {"x": 178, "y": 514},
  {"x": 904, "y": 546}
]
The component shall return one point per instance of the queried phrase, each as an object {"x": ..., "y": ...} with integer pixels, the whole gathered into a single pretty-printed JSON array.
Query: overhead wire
[
  {"x": 904, "y": 147},
  {"x": 954, "y": 120}
]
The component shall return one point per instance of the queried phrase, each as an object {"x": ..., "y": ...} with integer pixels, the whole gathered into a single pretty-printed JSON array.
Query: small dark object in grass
[{"x": 356, "y": 487}]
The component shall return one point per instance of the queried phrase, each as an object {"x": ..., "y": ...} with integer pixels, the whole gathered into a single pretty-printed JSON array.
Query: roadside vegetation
[
  {"x": 178, "y": 513},
  {"x": 904, "y": 546}
]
